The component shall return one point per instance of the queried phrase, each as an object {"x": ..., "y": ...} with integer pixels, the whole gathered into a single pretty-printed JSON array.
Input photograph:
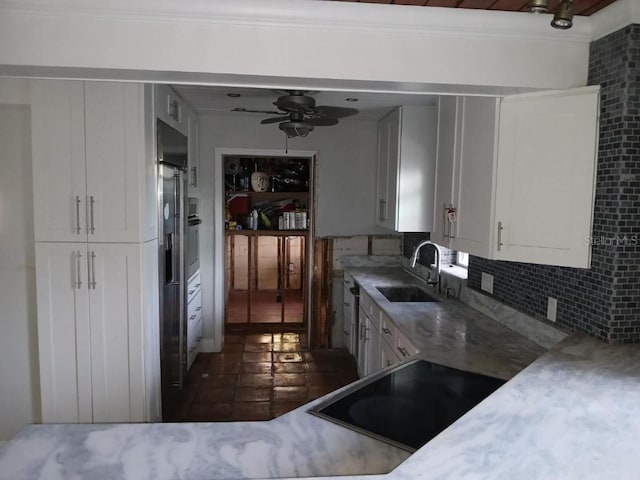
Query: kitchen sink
[{"x": 406, "y": 294}]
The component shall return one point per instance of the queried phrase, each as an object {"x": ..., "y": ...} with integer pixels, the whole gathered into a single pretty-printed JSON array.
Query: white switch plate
[
  {"x": 486, "y": 283},
  {"x": 552, "y": 308}
]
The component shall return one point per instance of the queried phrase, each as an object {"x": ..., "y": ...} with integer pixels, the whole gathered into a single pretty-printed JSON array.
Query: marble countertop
[
  {"x": 571, "y": 414},
  {"x": 449, "y": 332}
]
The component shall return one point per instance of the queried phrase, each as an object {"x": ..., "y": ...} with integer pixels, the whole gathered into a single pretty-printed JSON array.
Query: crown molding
[
  {"x": 309, "y": 13},
  {"x": 619, "y": 14}
]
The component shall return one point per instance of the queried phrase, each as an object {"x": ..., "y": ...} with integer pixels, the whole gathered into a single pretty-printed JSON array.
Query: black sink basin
[{"x": 406, "y": 294}]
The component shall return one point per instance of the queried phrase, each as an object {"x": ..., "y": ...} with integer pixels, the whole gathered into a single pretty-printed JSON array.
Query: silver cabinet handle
[
  {"x": 194, "y": 177},
  {"x": 78, "y": 276},
  {"x": 383, "y": 209},
  {"x": 197, "y": 285},
  {"x": 91, "y": 203},
  {"x": 198, "y": 309},
  {"x": 192, "y": 317},
  {"x": 367, "y": 338},
  {"x": 500, "y": 228},
  {"x": 78, "y": 214},
  {"x": 191, "y": 292},
  {"x": 346, "y": 333},
  {"x": 444, "y": 222},
  {"x": 403, "y": 351},
  {"x": 346, "y": 304},
  {"x": 386, "y": 331},
  {"x": 93, "y": 270}
]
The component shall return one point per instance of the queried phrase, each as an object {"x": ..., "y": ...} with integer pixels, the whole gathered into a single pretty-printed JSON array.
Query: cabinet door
[
  {"x": 546, "y": 172},
  {"x": 59, "y": 190},
  {"x": 347, "y": 315},
  {"x": 447, "y": 155},
  {"x": 372, "y": 338},
  {"x": 393, "y": 165},
  {"x": 115, "y": 160},
  {"x": 193, "y": 159},
  {"x": 382, "y": 170},
  {"x": 474, "y": 173},
  {"x": 387, "y": 355},
  {"x": 116, "y": 333},
  {"x": 63, "y": 332},
  {"x": 362, "y": 343}
]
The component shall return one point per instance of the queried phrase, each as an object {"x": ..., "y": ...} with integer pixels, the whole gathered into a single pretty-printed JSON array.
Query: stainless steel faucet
[{"x": 414, "y": 259}]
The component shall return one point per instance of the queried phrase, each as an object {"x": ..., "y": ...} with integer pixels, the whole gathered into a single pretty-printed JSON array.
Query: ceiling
[
  {"x": 581, "y": 7},
  {"x": 372, "y": 106}
]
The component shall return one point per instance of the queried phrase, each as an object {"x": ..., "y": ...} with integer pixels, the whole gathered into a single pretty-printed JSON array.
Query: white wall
[
  {"x": 345, "y": 184},
  {"x": 292, "y": 43},
  {"x": 19, "y": 379}
]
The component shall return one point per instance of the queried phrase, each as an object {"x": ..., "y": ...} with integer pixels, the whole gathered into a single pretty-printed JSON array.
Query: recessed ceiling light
[
  {"x": 233, "y": 95},
  {"x": 352, "y": 99},
  {"x": 238, "y": 109}
]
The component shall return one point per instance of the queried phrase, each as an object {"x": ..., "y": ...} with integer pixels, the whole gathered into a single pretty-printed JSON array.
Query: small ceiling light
[
  {"x": 233, "y": 95},
  {"x": 538, "y": 6},
  {"x": 563, "y": 19},
  {"x": 238, "y": 109},
  {"x": 352, "y": 99}
]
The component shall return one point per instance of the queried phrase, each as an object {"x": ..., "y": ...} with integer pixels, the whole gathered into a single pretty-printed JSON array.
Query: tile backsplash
[{"x": 604, "y": 300}]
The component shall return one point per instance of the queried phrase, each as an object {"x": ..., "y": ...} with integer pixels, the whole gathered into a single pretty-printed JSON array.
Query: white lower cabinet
[
  {"x": 194, "y": 318},
  {"x": 90, "y": 332}
]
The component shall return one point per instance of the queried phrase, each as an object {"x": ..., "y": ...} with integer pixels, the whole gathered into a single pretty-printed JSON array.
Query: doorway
[{"x": 268, "y": 217}]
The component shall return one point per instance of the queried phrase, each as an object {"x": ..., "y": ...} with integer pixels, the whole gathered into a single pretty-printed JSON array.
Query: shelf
[
  {"x": 257, "y": 196},
  {"x": 270, "y": 233}
]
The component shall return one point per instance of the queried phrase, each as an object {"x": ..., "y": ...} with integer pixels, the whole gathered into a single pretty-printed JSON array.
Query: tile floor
[{"x": 260, "y": 377}]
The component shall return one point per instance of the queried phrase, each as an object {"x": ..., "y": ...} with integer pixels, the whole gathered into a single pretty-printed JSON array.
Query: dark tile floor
[{"x": 259, "y": 377}]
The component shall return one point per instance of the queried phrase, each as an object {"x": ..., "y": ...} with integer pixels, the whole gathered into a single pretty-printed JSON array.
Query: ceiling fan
[{"x": 299, "y": 114}]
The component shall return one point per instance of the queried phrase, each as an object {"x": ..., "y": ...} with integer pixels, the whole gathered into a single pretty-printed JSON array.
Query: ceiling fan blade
[
  {"x": 322, "y": 122},
  {"x": 290, "y": 106},
  {"x": 334, "y": 112},
  {"x": 283, "y": 118},
  {"x": 246, "y": 110}
]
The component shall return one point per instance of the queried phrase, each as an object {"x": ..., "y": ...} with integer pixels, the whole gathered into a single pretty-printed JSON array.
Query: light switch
[{"x": 486, "y": 283}]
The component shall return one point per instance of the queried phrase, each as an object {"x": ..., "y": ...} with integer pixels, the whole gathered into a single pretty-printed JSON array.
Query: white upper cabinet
[
  {"x": 171, "y": 109},
  {"x": 547, "y": 156},
  {"x": 515, "y": 176},
  {"x": 406, "y": 162},
  {"x": 193, "y": 152},
  {"x": 90, "y": 162},
  {"x": 59, "y": 173}
]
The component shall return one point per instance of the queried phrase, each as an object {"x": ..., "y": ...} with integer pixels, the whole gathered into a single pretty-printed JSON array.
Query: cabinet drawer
[
  {"x": 388, "y": 330},
  {"x": 193, "y": 342},
  {"x": 193, "y": 287},
  {"x": 404, "y": 348},
  {"x": 194, "y": 310}
]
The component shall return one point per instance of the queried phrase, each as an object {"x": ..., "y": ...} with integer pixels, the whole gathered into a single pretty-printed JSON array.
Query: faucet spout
[{"x": 438, "y": 255}]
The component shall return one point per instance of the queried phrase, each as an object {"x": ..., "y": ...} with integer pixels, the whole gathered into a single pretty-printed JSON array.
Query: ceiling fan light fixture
[
  {"x": 295, "y": 129},
  {"x": 563, "y": 18},
  {"x": 538, "y": 6}
]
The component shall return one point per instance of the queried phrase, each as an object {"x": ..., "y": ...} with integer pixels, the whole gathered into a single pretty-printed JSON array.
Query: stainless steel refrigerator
[{"x": 172, "y": 165}]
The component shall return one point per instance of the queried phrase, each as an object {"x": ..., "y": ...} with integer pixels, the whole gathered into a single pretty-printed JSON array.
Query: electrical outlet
[
  {"x": 486, "y": 283},
  {"x": 552, "y": 309}
]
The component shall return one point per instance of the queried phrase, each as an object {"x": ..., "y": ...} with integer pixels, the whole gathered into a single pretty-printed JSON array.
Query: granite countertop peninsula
[
  {"x": 449, "y": 332},
  {"x": 571, "y": 414}
]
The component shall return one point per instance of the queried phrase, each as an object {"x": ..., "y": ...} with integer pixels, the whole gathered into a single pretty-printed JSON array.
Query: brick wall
[{"x": 604, "y": 300}]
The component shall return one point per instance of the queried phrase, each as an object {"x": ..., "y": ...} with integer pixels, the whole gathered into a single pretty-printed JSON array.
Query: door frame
[{"x": 219, "y": 231}]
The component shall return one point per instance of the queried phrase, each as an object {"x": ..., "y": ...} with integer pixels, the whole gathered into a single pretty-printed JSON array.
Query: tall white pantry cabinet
[{"x": 96, "y": 251}]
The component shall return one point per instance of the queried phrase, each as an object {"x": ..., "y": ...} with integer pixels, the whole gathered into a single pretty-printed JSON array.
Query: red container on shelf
[{"x": 239, "y": 204}]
